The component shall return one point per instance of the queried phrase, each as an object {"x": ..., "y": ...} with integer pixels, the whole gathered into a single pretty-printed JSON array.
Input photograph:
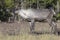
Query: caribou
[{"x": 37, "y": 15}]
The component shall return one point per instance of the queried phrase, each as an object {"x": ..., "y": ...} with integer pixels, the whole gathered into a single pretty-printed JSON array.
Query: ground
[{"x": 20, "y": 31}]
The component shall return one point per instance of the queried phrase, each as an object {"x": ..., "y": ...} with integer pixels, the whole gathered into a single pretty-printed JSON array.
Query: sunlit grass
[{"x": 30, "y": 37}]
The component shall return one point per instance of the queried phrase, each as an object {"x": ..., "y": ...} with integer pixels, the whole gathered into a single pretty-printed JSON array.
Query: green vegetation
[
  {"x": 58, "y": 16},
  {"x": 5, "y": 6},
  {"x": 9, "y": 3}
]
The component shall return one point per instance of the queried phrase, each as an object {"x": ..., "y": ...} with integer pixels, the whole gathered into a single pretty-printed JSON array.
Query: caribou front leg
[
  {"x": 32, "y": 25},
  {"x": 54, "y": 27}
]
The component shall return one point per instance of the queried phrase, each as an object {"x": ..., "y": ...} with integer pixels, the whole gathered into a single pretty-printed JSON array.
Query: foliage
[
  {"x": 58, "y": 16},
  {"x": 41, "y": 2},
  {"x": 9, "y": 3},
  {"x": 4, "y": 13}
]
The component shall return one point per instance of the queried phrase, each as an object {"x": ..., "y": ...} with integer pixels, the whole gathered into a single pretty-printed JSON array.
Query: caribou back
[{"x": 38, "y": 14}]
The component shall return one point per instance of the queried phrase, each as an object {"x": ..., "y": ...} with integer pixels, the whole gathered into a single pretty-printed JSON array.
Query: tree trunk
[{"x": 57, "y": 6}]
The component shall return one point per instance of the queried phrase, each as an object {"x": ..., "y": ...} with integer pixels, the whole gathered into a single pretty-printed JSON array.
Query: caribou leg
[
  {"x": 32, "y": 25},
  {"x": 53, "y": 27}
]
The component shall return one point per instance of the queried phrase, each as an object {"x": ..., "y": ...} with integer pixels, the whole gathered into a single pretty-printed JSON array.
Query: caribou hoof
[{"x": 55, "y": 32}]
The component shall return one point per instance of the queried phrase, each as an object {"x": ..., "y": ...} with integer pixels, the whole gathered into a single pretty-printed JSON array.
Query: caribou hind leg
[{"x": 32, "y": 25}]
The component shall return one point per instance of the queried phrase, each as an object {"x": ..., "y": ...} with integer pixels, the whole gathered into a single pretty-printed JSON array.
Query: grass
[
  {"x": 30, "y": 37},
  {"x": 24, "y": 35}
]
